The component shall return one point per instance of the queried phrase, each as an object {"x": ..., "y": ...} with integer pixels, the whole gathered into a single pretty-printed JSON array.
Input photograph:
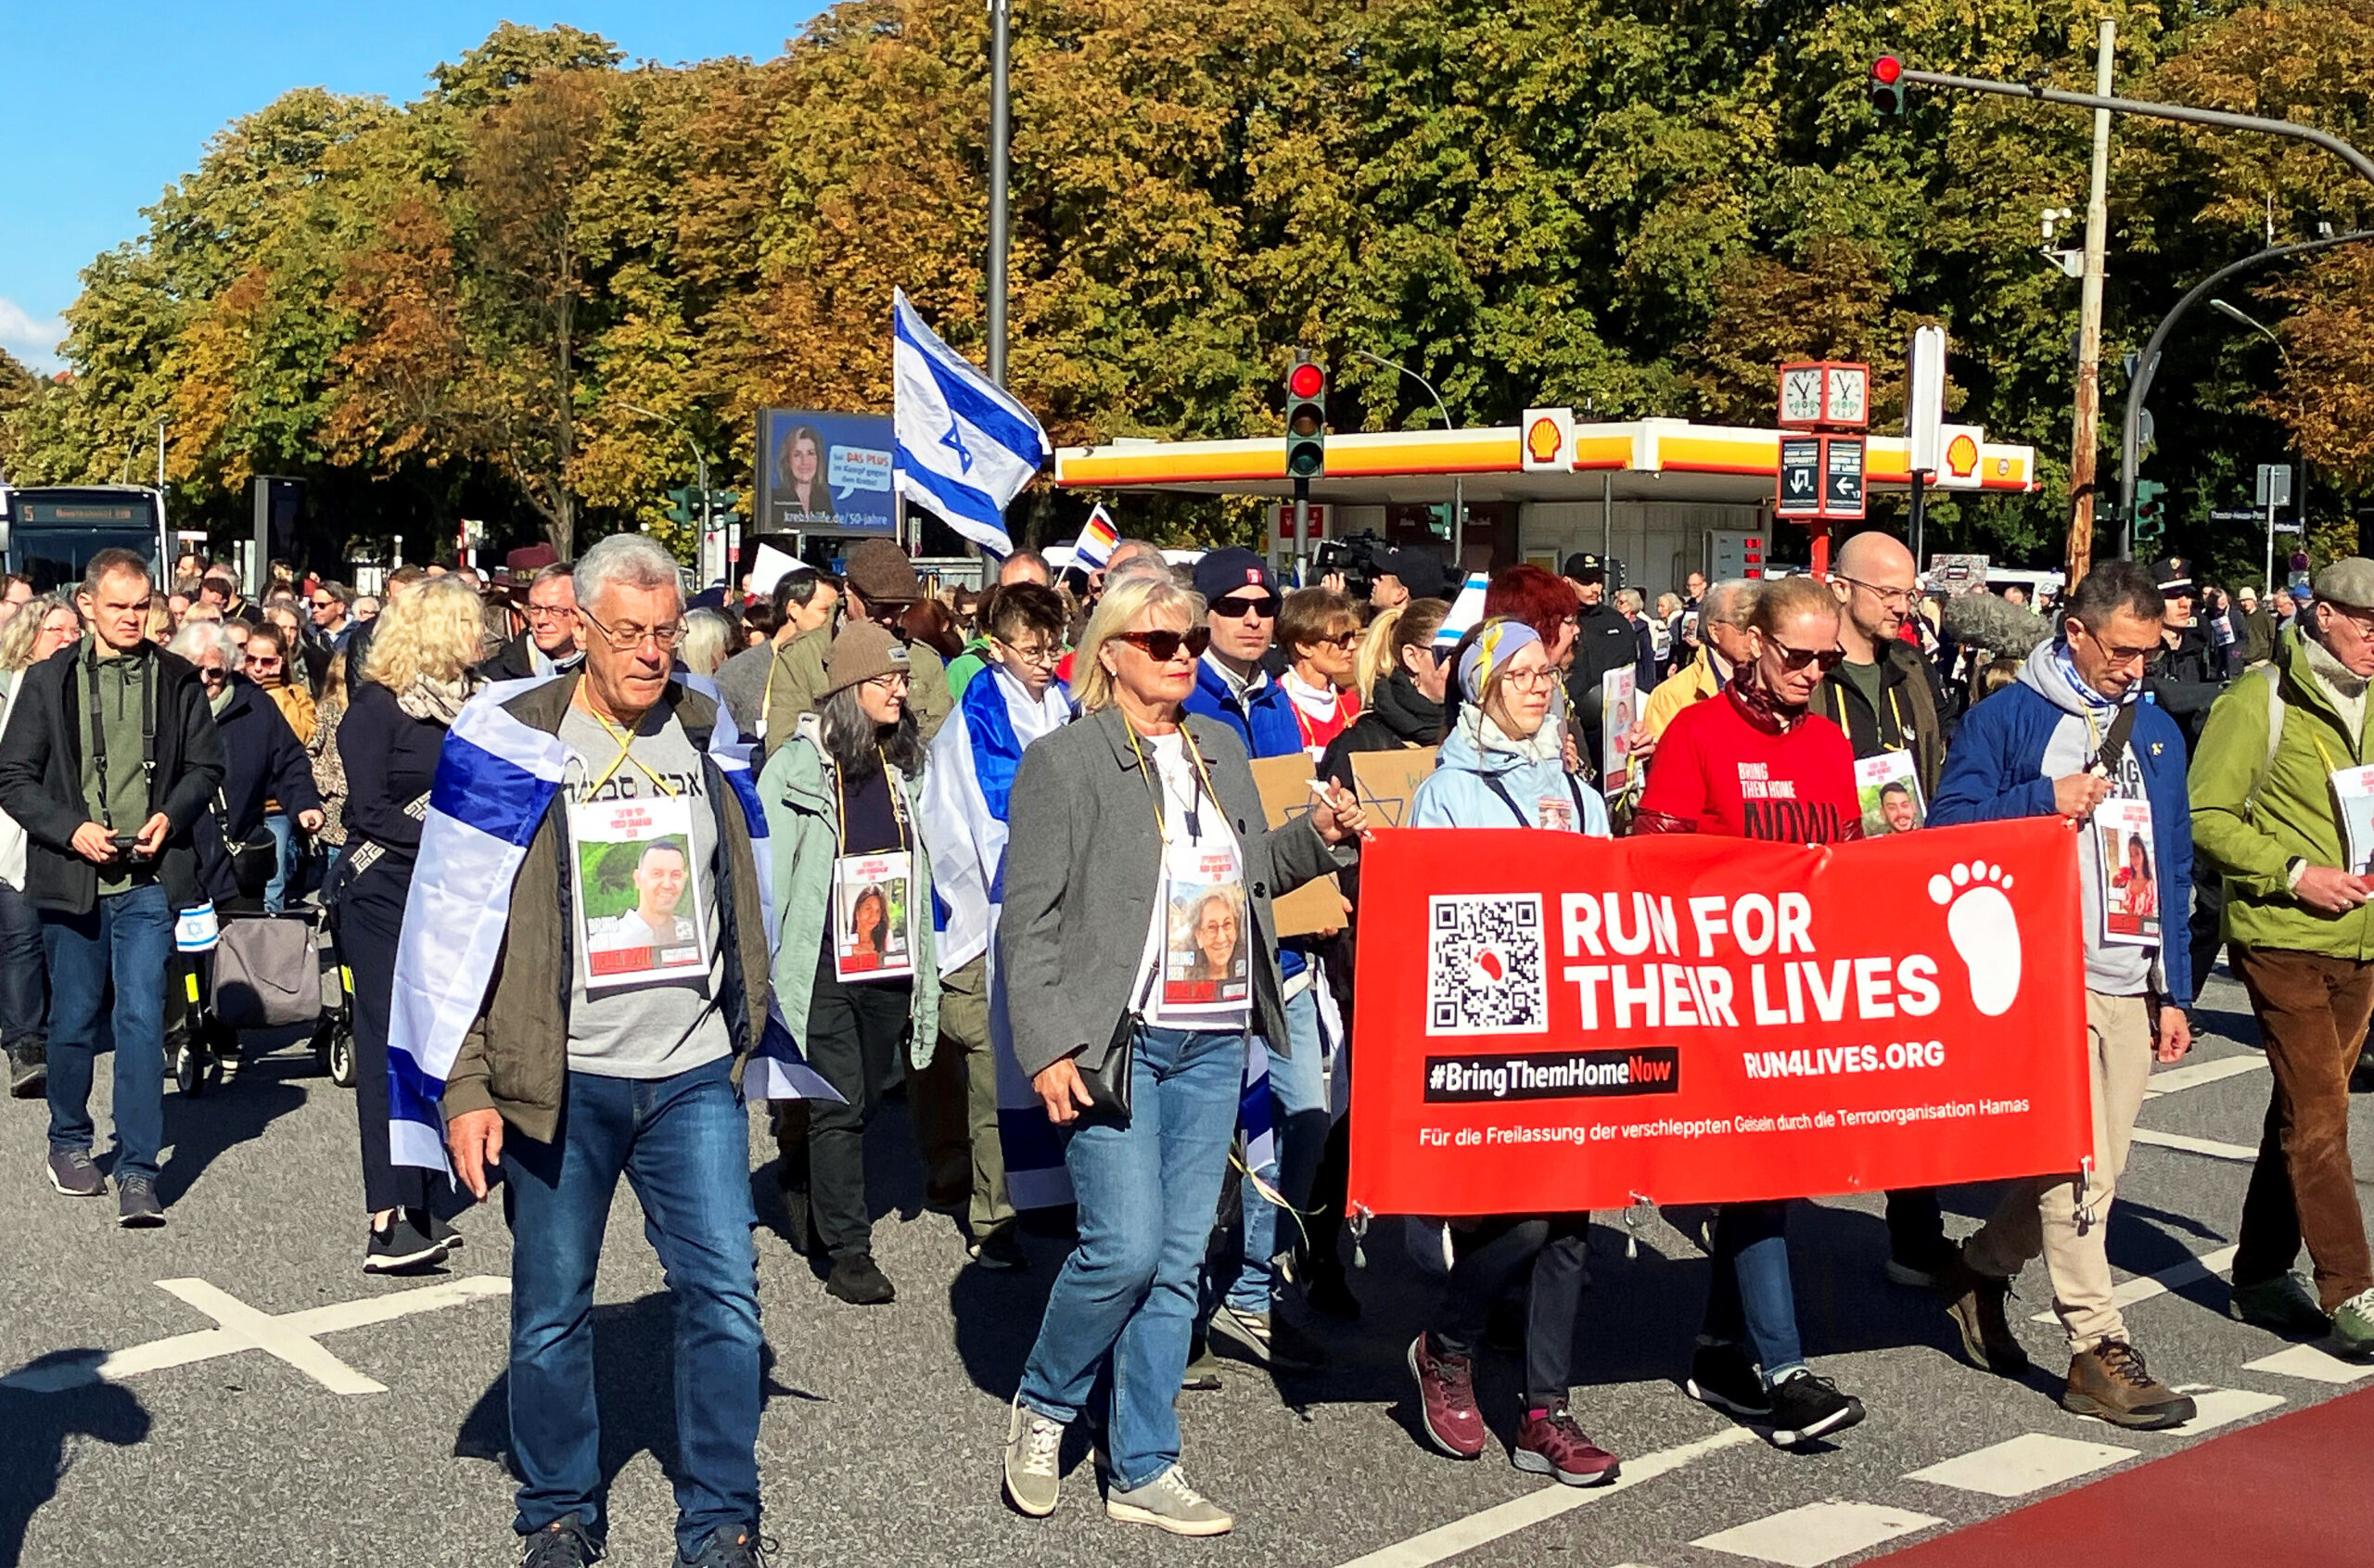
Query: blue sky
[{"x": 107, "y": 104}]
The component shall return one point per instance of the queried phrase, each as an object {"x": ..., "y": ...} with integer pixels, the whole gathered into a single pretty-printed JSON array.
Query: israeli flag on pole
[{"x": 963, "y": 447}]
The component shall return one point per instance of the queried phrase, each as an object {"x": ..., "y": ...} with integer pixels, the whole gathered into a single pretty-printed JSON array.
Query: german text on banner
[{"x": 1548, "y": 1023}]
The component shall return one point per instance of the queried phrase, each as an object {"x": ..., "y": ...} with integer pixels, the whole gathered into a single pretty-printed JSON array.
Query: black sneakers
[
  {"x": 1804, "y": 1406},
  {"x": 28, "y": 1071},
  {"x": 1722, "y": 1376},
  {"x": 735, "y": 1548},
  {"x": 856, "y": 1280},
  {"x": 402, "y": 1246},
  {"x": 71, "y": 1172},
  {"x": 999, "y": 1248},
  {"x": 561, "y": 1544}
]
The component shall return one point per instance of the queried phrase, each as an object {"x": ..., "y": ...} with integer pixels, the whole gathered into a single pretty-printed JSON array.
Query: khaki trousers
[
  {"x": 2067, "y": 1219},
  {"x": 955, "y": 1100}
]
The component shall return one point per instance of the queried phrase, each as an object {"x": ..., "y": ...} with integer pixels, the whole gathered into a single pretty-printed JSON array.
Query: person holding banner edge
[
  {"x": 1762, "y": 730},
  {"x": 2074, "y": 737},
  {"x": 1503, "y": 767},
  {"x": 1118, "y": 818}
]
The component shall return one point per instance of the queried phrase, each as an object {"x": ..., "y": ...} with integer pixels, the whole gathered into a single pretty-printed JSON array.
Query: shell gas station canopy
[{"x": 1665, "y": 495}]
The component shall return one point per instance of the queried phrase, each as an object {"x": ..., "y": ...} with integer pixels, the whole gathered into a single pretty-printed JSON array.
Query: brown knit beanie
[{"x": 862, "y": 652}]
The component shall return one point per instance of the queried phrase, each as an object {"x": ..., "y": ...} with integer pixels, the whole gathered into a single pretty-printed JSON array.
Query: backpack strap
[{"x": 2275, "y": 705}]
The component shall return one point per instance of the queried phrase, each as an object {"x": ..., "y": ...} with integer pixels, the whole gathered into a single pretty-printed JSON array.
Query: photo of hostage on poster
[
  {"x": 637, "y": 921},
  {"x": 2130, "y": 883},
  {"x": 871, "y": 936},
  {"x": 1619, "y": 710},
  {"x": 1888, "y": 788},
  {"x": 1545, "y": 1022},
  {"x": 1205, "y": 961}
]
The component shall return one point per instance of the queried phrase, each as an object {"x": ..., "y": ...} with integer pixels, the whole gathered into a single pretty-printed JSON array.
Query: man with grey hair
[
  {"x": 637, "y": 1073},
  {"x": 549, "y": 646},
  {"x": 1723, "y": 647}
]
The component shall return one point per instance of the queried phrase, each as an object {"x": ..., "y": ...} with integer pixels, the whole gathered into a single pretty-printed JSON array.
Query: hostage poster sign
[{"x": 1547, "y": 1023}]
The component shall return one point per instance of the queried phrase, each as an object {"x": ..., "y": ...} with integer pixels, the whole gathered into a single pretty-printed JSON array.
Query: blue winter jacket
[
  {"x": 2001, "y": 764},
  {"x": 1264, "y": 719}
]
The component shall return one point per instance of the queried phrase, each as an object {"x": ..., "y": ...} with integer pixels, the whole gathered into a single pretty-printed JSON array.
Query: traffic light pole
[
  {"x": 2147, "y": 367},
  {"x": 1302, "y": 527}
]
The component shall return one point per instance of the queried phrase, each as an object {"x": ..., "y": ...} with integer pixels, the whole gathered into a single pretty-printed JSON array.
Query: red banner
[{"x": 1548, "y": 1023}]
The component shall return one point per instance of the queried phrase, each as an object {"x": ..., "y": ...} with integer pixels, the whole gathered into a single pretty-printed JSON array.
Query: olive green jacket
[
  {"x": 2253, "y": 815},
  {"x": 798, "y": 687}
]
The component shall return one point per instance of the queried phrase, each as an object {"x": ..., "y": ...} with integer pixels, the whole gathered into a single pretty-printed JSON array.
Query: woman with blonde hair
[
  {"x": 415, "y": 678},
  {"x": 1135, "y": 809},
  {"x": 709, "y": 638},
  {"x": 41, "y": 629}
]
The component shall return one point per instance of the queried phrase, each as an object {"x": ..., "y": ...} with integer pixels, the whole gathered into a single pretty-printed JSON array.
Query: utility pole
[
  {"x": 1001, "y": 138},
  {"x": 2084, "y": 438}
]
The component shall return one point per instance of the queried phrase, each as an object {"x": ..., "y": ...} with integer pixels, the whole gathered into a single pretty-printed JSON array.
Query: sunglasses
[
  {"x": 1236, "y": 608},
  {"x": 1341, "y": 640},
  {"x": 1164, "y": 647},
  {"x": 1798, "y": 659}
]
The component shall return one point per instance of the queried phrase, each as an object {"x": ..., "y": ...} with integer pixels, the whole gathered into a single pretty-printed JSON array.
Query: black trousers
[
  {"x": 369, "y": 917},
  {"x": 24, "y": 976},
  {"x": 854, "y": 1036},
  {"x": 2207, "y": 928},
  {"x": 1491, "y": 1261}
]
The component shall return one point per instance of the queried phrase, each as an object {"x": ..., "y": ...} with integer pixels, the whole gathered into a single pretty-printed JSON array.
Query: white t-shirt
[{"x": 1197, "y": 972}]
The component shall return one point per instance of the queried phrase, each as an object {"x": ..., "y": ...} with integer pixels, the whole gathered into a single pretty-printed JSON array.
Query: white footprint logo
[{"x": 1985, "y": 931}]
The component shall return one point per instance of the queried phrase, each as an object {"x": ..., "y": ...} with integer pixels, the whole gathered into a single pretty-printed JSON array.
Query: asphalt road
[{"x": 882, "y": 1428}]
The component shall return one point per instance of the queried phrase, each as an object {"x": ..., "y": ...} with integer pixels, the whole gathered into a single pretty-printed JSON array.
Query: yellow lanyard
[
  {"x": 1154, "y": 790},
  {"x": 841, "y": 810},
  {"x": 626, "y": 743}
]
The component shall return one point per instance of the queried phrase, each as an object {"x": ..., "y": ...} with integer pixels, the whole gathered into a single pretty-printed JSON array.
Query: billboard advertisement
[{"x": 825, "y": 472}]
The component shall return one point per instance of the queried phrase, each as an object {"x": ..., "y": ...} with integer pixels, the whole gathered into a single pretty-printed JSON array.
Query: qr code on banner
[{"x": 1484, "y": 965}]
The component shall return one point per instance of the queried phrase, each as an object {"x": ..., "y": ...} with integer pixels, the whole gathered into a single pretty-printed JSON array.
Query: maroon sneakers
[
  {"x": 1447, "y": 1401},
  {"x": 1550, "y": 1444}
]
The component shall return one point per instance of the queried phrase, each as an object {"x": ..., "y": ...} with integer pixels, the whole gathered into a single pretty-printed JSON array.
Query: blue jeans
[
  {"x": 1752, "y": 1296},
  {"x": 1298, "y": 1104},
  {"x": 128, "y": 937},
  {"x": 1145, "y": 1190},
  {"x": 24, "y": 974},
  {"x": 683, "y": 1142},
  {"x": 283, "y": 861}
]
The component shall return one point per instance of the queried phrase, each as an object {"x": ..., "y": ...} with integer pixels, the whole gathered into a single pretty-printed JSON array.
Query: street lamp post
[
  {"x": 1458, "y": 482},
  {"x": 700, "y": 467},
  {"x": 2299, "y": 502}
]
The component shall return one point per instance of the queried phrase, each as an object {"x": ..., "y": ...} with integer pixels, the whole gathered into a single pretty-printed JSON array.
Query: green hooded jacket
[{"x": 2252, "y": 817}]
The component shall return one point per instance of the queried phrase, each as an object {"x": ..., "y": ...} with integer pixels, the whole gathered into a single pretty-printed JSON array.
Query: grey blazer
[{"x": 1082, "y": 863}]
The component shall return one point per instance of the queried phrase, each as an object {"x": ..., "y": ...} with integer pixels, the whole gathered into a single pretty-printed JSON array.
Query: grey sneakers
[
  {"x": 1033, "y": 1476},
  {"x": 1166, "y": 1502},
  {"x": 71, "y": 1172},
  {"x": 1266, "y": 1340},
  {"x": 136, "y": 1207}
]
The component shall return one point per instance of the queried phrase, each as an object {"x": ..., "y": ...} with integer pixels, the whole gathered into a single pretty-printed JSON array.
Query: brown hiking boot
[
  {"x": 2111, "y": 1384},
  {"x": 1974, "y": 1301}
]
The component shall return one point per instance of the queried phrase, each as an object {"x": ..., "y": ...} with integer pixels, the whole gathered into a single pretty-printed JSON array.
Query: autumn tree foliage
[{"x": 525, "y": 295}]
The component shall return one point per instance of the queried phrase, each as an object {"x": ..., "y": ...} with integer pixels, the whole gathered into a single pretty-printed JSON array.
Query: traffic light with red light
[
  {"x": 1887, "y": 84},
  {"x": 1306, "y": 419}
]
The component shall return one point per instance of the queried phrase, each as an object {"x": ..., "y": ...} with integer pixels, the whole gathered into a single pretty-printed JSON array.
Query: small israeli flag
[{"x": 963, "y": 447}]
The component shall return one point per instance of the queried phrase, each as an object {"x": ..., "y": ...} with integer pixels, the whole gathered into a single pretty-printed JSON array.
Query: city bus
[{"x": 49, "y": 533}]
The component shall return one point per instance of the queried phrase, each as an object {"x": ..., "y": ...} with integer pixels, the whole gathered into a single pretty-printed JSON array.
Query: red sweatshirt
[{"x": 1724, "y": 768}]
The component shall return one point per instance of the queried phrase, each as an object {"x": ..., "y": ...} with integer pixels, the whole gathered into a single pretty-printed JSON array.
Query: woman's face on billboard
[{"x": 803, "y": 460}]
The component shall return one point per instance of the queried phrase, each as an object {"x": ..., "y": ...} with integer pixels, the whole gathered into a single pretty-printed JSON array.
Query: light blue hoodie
[{"x": 1531, "y": 771}]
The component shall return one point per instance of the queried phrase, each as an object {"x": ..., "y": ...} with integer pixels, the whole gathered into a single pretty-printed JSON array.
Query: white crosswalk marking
[
  {"x": 2026, "y": 1463},
  {"x": 2217, "y": 1407},
  {"x": 2198, "y": 1073},
  {"x": 2312, "y": 1362},
  {"x": 2143, "y": 1287},
  {"x": 1816, "y": 1533},
  {"x": 2190, "y": 1145}
]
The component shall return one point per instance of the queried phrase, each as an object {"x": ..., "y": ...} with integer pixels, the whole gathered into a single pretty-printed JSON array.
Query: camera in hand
[{"x": 127, "y": 847}]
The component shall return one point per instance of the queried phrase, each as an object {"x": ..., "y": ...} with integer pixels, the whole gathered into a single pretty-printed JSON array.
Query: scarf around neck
[
  {"x": 1759, "y": 707},
  {"x": 434, "y": 700}
]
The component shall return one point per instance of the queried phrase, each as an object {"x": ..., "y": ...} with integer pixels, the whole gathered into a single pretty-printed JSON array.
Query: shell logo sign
[
  {"x": 1962, "y": 456},
  {"x": 1548, "y": 440}
]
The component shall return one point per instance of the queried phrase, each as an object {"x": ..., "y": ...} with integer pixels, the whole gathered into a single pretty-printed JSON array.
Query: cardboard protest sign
[
  {"x": 1548, "y": 1023},
  {"x": 1388, "y": 782},
  {"x": 1285, "y": 794}
]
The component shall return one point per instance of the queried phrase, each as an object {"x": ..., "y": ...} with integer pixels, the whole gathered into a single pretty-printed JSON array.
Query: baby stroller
[{"x": 240, "y": 968}]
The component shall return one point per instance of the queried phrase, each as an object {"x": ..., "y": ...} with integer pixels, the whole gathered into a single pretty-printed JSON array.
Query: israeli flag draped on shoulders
[
  {"x": 968, "y": 795},
  {"x": 962, "y": 446},
  {"x": 496, "y": 778}
]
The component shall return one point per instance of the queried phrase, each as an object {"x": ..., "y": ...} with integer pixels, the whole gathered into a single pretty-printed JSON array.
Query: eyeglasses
[
  {"x": 1341, "y": 640},
  {"x": 1236, "y": 607},
  {"x": 627, "y": 639},
  {"x": 895, "y": 680},
  {"x": 1165, "y": 645},
  {"x": 263, "y": 662},
  {"x": 1798, "y": 659},
  {"x": 213, "y": 674},
  {"x": 322, "y": 604},
  {"x": 1045, "y": 655},
  {"x": 1893, "y": 598},
  {"x": 1540, "y": 680},
  {"x": 547, "y": 612},
  {"x": 2118, "y": 656}
]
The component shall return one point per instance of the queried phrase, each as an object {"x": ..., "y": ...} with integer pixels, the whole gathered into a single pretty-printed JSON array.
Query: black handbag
[{"x": 1108, "y": 1084}]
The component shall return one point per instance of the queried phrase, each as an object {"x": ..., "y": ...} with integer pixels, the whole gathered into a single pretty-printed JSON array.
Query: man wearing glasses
[
  {"x": 879, "y": 584},
  {"x": 326, "y": 605},
  {"x": 2277, "y": 811},
  {"x": 1883, "y": 695},
  {"x": 550, "y": 646}
]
